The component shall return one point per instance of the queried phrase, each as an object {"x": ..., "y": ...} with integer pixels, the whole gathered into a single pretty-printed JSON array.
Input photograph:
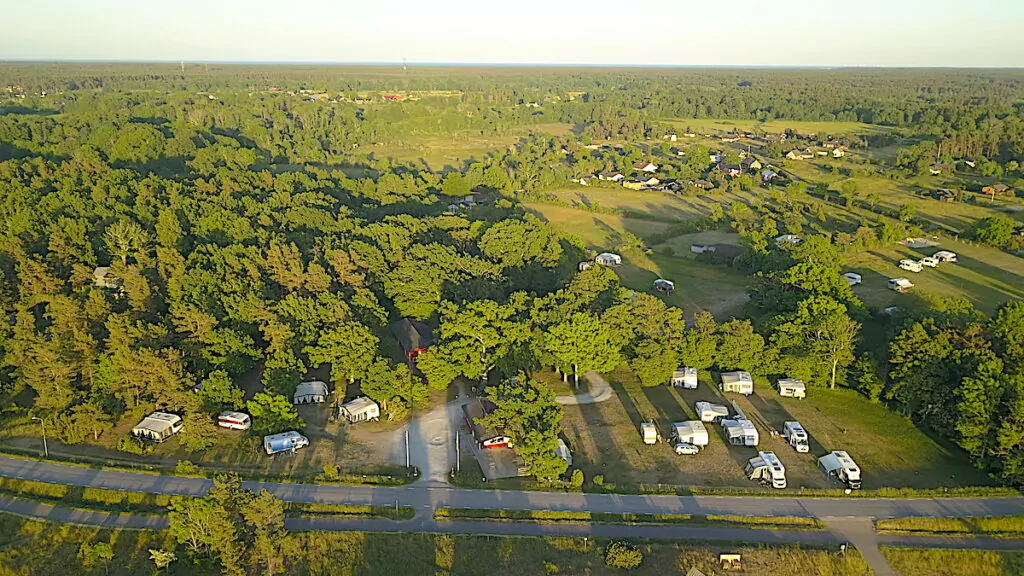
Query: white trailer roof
[
  {"x": 689, "y": 427},
  {"x": 773, "y": 463},
  {"x": 312, "y": 388},
  {"x": 738, "y": 376},
  {"x": 360, "y": 404},
  {"x": 792, "y": 384},
  {"x": 158, "y": 422}
]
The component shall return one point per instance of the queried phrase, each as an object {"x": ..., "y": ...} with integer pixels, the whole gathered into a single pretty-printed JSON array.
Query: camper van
[
  {"x": 738, "y": 381},
  {"x": 709, "y": 412},
  {"x": 929, "y": 261},
  {"x": 792, "y": 388},
  {"x": 234, "y": 420},
  {"x": 840, "y": 466},
  {"x": 794, "y": 433},
  {"x": 685, "y": 377},
  {"x": 649, "y": 432},
  {"x": 945, "y": 256},
  {"x": 911, "y": 265},
  {"x": 157, "y": 427},
  {"x": 740, "y": 432},
  {"x": 690, "y": 432},
  {"x": 900, "y": 284},
  {"x": 284, "y": 442},
  {"x": 767, "y": 468}
]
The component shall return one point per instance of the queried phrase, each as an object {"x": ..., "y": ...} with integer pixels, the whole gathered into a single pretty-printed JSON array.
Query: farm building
[
  {"x": 792, "y": 388},
  {"x": 738, "y": 381},
  {"x": 359, "y": 410},
  {"x": 685, "y": 377},
  {"x": 608, "y": 259},
  {"x": 413, "y": 336},
  {"x": 666, "y": 286},
  {"x": 485, "y": 437},
  {"x": 740, "y": 432},
  {"x": 312, "y": 392},
  {"x": 691, "y": 432},
  {"x": 284, "y": 442},
  {"x": 157, "y": 427},
  {"x": 709, "y": 412}
]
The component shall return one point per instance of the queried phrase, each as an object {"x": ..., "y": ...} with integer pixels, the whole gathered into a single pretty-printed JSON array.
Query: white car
[
  {"x": 686, "y": 449},
  {"x": 911, "y": 265},
  {"x": 929, "y": 261}
]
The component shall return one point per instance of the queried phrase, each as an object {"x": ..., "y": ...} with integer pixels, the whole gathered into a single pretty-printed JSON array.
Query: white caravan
[
  {"x": 794, "y": 433},
  {"x": 767, "y": 468},
  {"x": 685, "y": 377},
  {"x": 690, "y": 432},
  {"x": 709, "y": 412}
]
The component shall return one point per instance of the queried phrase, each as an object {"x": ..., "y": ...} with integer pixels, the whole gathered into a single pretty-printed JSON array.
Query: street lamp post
[{"x": 42, "y": 427}]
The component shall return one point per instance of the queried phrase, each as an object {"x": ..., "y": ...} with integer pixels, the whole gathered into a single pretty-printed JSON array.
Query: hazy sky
[{"x": 662, "y": 32}]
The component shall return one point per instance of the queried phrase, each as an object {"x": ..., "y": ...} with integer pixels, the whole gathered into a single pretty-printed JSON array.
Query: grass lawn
[
  {"x": 605, "y": 440},
  {"x": 439, "y": 151},
  {"x": 38, "y": 548},
  {"x": 996, "y": 527},
  {"x": 929, "y": 562},
  {"x": 660, "y": 205},
  {"x": 711, "y": 125},
  {"x": 986, "y": 276},
  {"x": 597, "y": 230}
]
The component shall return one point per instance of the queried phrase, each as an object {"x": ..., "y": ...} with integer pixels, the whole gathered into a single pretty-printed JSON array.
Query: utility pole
[
  {"x": 458, "y": 458},
  {"x": 407, "y": 448},
  {"x": 42, "y": 427}
]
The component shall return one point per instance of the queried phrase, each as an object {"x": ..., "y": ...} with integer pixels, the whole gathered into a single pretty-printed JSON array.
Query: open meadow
[{"x": 713, "y": 125}]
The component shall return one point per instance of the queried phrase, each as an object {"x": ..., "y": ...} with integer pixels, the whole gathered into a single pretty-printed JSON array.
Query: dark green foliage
[{"x": 623, "y": 555}]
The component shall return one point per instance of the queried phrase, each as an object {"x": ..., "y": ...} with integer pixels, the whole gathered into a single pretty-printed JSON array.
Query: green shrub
[
  {"x": 576, "y": 480},
  {"x": 132, "y": 445},
  {"x": 186, "y": 468},
  {"x": 623, "y": 555}
]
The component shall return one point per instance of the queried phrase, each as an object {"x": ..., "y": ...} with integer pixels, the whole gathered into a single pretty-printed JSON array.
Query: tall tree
[{"x": 584, "y": 343}]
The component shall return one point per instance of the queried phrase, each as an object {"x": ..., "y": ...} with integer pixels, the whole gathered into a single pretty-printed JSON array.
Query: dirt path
[
  {"x": 861, "y": 533},
  {"x": 600, "y": 390},
  {"x": 431, "y": 440}
]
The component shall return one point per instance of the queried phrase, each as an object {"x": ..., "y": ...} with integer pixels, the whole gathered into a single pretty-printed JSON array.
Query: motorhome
[
  {"x": 911, "y": 265},
  {"x": 738, "y": 381},
  {"x": 929, "y": 261},
  {"x": 685, "y": 377},
  {"x": 794, "y": 433},
  {"x": 157, "y": 427},
  {"x": 740, "y": 432},
  {"x": 649, "y": 432},
  {"x": 234, "y": 420},
  {"x": 945, "y": 256},
  {"x": 767, "y": 468},
  {"x": 840, "y": 466},
  {"x": 792, "y": 388},
  {"x": 900, "y": 284},
  {"x": 284, "y": 442},
  {"x": 709, "y": 412},
  {"x": 691, "y": 432}
]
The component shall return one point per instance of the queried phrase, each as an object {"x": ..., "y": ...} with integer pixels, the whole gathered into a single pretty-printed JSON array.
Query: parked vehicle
[
  {"x": 911, "y": 265},
  {"x": 690, "y": 432},
  {"x": 158, "y": 426},
  {"x": 767, "y": 468},
  {"x": 792, "y": 388},
  {"x": 685, "y": 377},
  {"x": 900, "y": 284},
  {"x": 684, "y": 449},
  {"x": 234, "y": 420},
  {"x": 709, "y": 412},
  {"x": 945, "y": 256},
  {"x": 839, "y": 466},
  {"x": 284, "y": 442},
  {"x": 929, "y": 261},
  {"x": 794, "y": 433},
  {"x": 852, "y": 278},
  {"x": 739, "y": 381},
  {"x": 649, "y": 432}
]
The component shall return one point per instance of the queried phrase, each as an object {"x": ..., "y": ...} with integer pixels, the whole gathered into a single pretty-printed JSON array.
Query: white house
[
  {"x": 738, "y": 381},
  {"x": 685, "y": 377},
  {"x": 359, "y": 409},
  {"x": 608, "y": 259},
  {"x": 157, "y": 427},
  {"x": 313, "y": 392},
  {"x": 611, "y": 176},
  {"x": 645, "y": 166}
]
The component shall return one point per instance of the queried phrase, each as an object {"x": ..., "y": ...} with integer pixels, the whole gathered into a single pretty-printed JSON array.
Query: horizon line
[{"x": 403, "y": 63}]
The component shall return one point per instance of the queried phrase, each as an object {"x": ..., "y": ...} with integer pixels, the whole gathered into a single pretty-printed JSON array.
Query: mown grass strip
[
  {"x": 989, "y": 527},
  {"x": 312, "y": 510},
  {"x": 558, "y": 517}
]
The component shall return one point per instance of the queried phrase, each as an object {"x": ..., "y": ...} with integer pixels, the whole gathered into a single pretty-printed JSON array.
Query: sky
[{"x": 962, "y": 33}]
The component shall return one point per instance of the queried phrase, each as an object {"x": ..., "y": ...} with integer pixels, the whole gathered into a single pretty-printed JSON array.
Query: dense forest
[{"x": 243, "y": 229}]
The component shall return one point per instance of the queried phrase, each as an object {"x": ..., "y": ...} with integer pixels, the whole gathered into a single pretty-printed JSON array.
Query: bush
[
  {"x": 186, "y": 468},
  {"x": 623, "y": 555},
  {"x": 133, "y": 445},
  {"x": 576, "y": 480},
  {"x": 599, "y": 480}
]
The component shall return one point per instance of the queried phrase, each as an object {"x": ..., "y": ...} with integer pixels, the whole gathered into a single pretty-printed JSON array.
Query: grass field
[
  {"x": 994, "y": 527},
  {"x": 37, "y": 548},
  {"x": 928, "y": 562},
  {"x": 711, "y": 125},
  {"x": 439, "y": 151},
  {"x": 605, "y": 440},
  {"x": 554, "y": 517}
]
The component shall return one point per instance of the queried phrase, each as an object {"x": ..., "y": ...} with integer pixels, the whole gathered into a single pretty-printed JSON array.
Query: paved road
[
  {"x": 600, "y": 390},
  {"x": 429, "y": 495}
]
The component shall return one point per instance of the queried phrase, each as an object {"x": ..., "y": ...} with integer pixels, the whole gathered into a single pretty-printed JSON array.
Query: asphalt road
[{"x": 430, "y": 495}]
